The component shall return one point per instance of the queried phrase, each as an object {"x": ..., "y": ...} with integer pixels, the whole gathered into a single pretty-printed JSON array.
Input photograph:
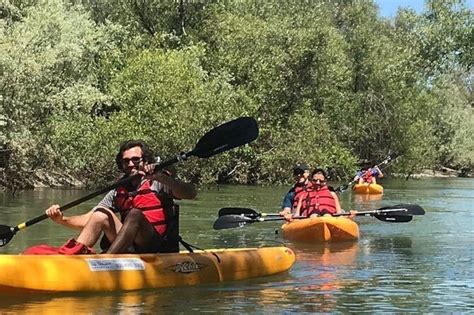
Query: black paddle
[
  {"x": 399, "y": 209},
  {"x": 390, "y": 158},
  {"x": 239, "y": 217},
  {"x": 222, "y": 138}
]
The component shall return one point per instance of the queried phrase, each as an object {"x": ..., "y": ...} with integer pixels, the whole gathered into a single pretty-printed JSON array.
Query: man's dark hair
[
  {"x": 147, "y": 155},
  {"x": 300, "y": 169}
]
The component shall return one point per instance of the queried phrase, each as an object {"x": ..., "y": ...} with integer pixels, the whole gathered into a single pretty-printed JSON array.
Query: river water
[{"x": 426, "y": 265}]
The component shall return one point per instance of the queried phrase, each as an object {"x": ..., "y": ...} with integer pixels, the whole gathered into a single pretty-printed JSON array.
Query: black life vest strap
[
  {"x": 161, "y": 222},
  {"x": 135, "y": 193},
  {"x": 141, "y": 192},
  {"x": 147, "y": 208},
  {"x": 190, "y": 247}
]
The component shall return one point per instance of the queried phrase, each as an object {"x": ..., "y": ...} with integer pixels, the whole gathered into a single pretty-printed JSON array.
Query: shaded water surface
[{"x": 426, "y": 265}]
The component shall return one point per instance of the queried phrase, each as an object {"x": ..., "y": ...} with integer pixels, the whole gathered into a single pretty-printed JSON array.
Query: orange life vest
[{"x": 316, "y": 201}]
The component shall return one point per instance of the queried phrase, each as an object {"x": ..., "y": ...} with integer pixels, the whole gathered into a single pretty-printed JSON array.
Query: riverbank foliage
[{"x": 329, "y": 83}]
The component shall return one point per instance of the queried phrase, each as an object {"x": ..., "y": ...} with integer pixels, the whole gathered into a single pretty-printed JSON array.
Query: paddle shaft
[
  {"x": 252, "y": 213},
  {"x": 371, "y": 212},
  {"x": 344, "y": 213},
  {"x": 276, "y": 219}
]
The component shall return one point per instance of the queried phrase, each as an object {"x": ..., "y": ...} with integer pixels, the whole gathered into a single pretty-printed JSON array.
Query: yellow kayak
[
  {"x": 366, "y": 188},
  {"x": 321, "y": 229},
  {"x": 106, "y": 272}
]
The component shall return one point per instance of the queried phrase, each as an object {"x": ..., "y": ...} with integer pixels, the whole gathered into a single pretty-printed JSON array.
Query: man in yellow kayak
[{"x": 148, "y": 215}]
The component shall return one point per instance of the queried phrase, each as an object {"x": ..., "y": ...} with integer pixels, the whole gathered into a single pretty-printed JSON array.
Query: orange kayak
[
  {"x": 371, "y": 189},
  {"x": 321, "y": 229}
]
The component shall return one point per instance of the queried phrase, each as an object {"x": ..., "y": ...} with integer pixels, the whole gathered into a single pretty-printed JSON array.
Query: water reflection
[
  {"x": 363, "y": 199},
  {"x": 424, "y": 266},
  {"x": 394, "y": 244},
  {"x": 323, "y": 268},
  {"x": 132, "y": 303},
  {"x": 235, "y": 297}
]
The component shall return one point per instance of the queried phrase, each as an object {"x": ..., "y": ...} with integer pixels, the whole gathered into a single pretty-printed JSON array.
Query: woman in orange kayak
[{"x": 318, "y": 199}]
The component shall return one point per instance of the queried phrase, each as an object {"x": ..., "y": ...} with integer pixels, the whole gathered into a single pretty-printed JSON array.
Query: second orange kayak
[
  {"x": 371, "y": 189},
  {"x": 321, "y": 229}
]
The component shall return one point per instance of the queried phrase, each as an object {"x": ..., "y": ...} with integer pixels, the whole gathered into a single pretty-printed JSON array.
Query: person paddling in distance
[
  {"x": 301, "y": 174},
  {"x": 148, "y": 215},
  {"x": 368, "y": 175}
]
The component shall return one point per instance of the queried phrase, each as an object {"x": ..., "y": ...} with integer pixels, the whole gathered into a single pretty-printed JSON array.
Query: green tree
[
  {"x": 166, "y": 99},
  {"x": 49, "y": 66}
]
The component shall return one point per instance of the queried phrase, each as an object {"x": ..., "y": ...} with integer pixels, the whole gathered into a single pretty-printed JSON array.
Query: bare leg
[
  {"x": 135, "y": 230},
  {"x": 101, "y": 220}
]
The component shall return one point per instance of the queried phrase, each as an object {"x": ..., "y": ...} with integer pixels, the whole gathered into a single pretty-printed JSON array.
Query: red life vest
[
  {"x": 299, "y": 190},
  {"x": 150, "y": 202},
  {"x": 319, "y": 201}
]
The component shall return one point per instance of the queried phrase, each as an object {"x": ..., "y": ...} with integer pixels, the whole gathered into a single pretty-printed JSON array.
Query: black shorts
[{"x": 156, "y": 245}]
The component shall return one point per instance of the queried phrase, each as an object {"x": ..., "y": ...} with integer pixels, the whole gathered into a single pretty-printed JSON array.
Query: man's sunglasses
[{"x": 135, "y": 160}]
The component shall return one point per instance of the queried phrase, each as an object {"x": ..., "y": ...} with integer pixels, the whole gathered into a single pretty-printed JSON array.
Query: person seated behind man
[
  {"x": 301, "y": 176},
  {"x": 145, "y": 206},
  {"x": 368, "y": 175}
]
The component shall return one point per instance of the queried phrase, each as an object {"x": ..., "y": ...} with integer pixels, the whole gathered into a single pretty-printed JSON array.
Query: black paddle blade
[
  {"x": 410, "y": 210},
  {"x": 238, "y": 211},
  {"x": 6, "y": 234},
  {"x": 406, "y": 213},
  {"x": 226, "y": 136},
  {"x": 232, "y": 221},
  {"x": 393, "y": 218}
]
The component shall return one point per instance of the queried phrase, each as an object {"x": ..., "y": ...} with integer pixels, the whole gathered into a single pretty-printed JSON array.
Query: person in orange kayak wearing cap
[
  {"x": 301, "y": 174},
  {"x": 147, "y": 223}
]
